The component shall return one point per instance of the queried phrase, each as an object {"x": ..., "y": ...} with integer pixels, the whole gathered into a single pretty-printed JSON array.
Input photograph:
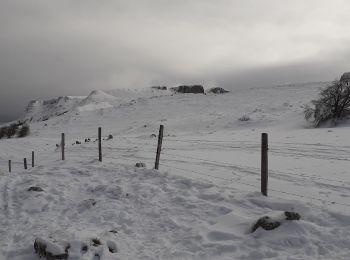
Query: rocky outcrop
[
  {"x": 218, "y": 90},
  {"x": 44, "y": 110},
  {"x": 196, "y": 89},
  {"x": 159, "y": 87},
  {"x": 93, "y": 248}
]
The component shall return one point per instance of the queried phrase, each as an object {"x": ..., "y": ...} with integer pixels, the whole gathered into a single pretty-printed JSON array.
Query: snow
[{"x": 205, "y": 198}]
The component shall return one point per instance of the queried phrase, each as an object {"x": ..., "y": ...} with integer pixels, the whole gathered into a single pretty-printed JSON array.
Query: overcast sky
[{"x": 50, "y": 48}]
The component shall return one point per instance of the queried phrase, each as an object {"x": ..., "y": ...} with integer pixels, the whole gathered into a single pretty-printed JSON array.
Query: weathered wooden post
[
  {"x": 62, "y": 145},
  {"x": 264, "y": 163},
  {"x": 32, "y": 158},
  {"x": 10, "y": 166},
  {"x": 100, "y": 144},
  {"x": 25, "y": 163},
  {"x": 159, "y": 147}
]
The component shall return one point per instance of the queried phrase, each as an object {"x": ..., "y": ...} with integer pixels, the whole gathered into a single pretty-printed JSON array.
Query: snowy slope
[
  {"x": 43, "y": 110},
  {"x": 205, "y": 198}
]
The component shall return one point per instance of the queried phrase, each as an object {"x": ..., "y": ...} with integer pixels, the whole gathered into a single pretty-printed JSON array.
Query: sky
[{"x": 51, "y": 48}]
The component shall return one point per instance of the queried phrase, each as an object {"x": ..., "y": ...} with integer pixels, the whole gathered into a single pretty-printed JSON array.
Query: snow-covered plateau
[{"x": 205, "y": 198}]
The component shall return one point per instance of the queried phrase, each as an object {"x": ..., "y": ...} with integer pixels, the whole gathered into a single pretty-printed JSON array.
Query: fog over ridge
[{"x": 55, "y": 48}]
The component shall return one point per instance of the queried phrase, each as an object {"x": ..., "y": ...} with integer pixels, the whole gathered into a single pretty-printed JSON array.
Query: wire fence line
[
  {"x": 87, "y": 151},
  {"x": 217, "y": 163},
  {"x": 220, "y": 163}
]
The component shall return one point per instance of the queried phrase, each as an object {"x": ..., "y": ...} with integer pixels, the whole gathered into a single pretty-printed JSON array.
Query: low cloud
[{"x": 53, "y": 48}]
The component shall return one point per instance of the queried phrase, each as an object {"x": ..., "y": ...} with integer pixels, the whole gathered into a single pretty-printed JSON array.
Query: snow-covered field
[{"x": 205, "y": 198}]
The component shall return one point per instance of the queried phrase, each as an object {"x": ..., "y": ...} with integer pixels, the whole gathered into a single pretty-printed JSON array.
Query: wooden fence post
[
  {"x": 10, "y": 166},
  {"x": 99, "y": 144},
  {"x": 25, "y": 163},
  {"x": 32, "y": 158},
  {"x": 159, "y": 147},
  {"x": 264, "y": 163},
  {"x": 62, "y": 145}
]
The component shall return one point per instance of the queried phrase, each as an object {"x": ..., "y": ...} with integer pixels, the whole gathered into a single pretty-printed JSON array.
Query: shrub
[
  {"x": 244, "y": 118},
  {"x": 12, "y": 130},
  {"x": 333, "y": 103},
  {"x": 3, "y": 132},
  {"x": 24, "y": 131}
]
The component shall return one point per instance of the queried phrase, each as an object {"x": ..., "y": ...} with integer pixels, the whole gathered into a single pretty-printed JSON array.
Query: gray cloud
[{"x": 52, "y": 48}]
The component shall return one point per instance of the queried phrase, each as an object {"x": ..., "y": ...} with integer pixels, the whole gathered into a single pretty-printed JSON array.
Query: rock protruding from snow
[
  {"x": 35, "y": 188},
  {"x": 270, "y": 223},
  {"x": 218, "y": 90},
  {"x": 159, "y": 87},
  {"x": 266, "y": 223},
  {"x": 50, "y": 250},
  {"x": 196, "y": 89},
  {"x": 93, "y": 248},
  {"x": 140, "y": 165},
  {"x": 44, "y": 110},
  {"x": 33, "y": 106}
]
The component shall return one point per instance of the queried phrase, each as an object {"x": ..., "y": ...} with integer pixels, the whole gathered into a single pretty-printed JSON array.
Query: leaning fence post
[
  {"x": 25, "y": 163},
  {"x": 9, "y": 165},
  {"x": 264, "y": 163},
  {"x": 62, "y": 145},
  {"x": 159, "y": 147},
  {"x": 99, "y": 144},
  {"x": 32, "y": 158}
]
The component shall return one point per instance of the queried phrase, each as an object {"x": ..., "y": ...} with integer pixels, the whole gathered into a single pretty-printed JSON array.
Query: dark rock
[
  {"x": 84, "y": 249},
  {"x": 35, "y": 188},
  {"x": 77, "y": 142},
  {"x": 292, "y": 215},
  {"x": 96, "y": 242},
  {"x": 153, "y": 136},
  {"x": 91, "y": 201},
  {"x": 140, "y": 165},
  {"x": 41, "y": 249},
  {"x": 112, "y": 250},
  {"x": 87, "y": 140},
  {"x": 160, "y": 87},
  {"x": 110, "y": 137},
  {"x": 189, "y": 89},
  {"x": 112, "y": 247},
  {"x": 266, "y": 223},
  {"x": 218, "y": 90}
]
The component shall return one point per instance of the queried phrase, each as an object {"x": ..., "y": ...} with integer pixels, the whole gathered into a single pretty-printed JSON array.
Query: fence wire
[{"x": 84, "y": 148}]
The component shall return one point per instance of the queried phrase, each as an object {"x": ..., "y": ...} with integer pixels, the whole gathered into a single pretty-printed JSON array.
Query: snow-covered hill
[
  {"x": 205, "y": 198},
  {"x": 136, "y": 112},
  {"x": 43, "y": 110}
]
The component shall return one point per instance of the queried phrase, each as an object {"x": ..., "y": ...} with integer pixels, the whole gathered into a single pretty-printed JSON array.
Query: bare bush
[
  {"x": 333, "y": 103},
  {"x": 244, "y": 118},
  {"x": 24, "y": 131},
  {"x": 12, "y": 130}
]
